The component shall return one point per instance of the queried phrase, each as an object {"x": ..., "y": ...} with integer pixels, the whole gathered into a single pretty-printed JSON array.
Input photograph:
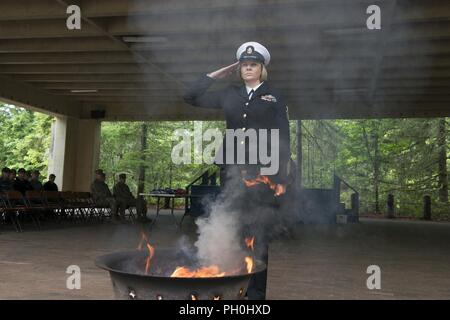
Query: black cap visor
[{"x": 254, "y": 56}]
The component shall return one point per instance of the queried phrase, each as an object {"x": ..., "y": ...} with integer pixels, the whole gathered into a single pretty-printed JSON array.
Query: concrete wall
[{"x": 74, "y": 152}]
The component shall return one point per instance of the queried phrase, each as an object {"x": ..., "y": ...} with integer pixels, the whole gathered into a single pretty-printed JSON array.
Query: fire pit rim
[{"x": 101, "y": 262}]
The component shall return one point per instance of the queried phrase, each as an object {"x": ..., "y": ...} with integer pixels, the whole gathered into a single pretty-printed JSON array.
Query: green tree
[{"x": 25, "y": 138}]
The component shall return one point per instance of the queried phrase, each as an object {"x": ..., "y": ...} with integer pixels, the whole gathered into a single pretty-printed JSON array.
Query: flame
[
  {"x": 203, "y": 272},
  {"x": 278, "y": 189},
  {"x": 193, "y": 297},
  {"x": 151, "y": 252},
  {"x": 217, "y": 298},
  {"x": 144, "y": 239},
  {"x": 249, "y": 262},
  {"x": 250, "y": 243}
]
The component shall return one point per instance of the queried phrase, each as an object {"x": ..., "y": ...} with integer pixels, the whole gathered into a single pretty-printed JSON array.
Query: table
[{"x": 171, "y": 198}]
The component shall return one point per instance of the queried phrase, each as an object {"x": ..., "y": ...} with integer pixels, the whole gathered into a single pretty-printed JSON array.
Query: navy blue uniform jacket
[{"x": 265, "y": 110}]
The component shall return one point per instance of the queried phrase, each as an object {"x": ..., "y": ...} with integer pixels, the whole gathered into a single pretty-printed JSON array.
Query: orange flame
[
  {"x": 249, "y": 262},
  {"x": 144, "y": 239},
  {"x": 278, "y": 189},
  {"x": 151, "y": 252},
  {"x": 250, "y": 243},
  {"x": 203, "y": 272}
]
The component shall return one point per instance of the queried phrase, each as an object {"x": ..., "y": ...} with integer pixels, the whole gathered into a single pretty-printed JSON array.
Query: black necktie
[{"x": 250, "y": 94}]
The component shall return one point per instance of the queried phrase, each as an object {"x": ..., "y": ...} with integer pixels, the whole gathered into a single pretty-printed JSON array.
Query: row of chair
[{"x": 48, "y": 205}]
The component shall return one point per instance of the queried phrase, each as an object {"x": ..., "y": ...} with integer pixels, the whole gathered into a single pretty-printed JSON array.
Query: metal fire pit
[{"x": 130, "y": 281}]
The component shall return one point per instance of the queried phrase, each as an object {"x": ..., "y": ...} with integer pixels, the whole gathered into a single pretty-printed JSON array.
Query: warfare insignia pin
[{"x": 269, "y": 97}]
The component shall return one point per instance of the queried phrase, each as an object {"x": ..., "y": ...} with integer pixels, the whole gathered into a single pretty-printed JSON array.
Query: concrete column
[{"x": 74, "y": 152}]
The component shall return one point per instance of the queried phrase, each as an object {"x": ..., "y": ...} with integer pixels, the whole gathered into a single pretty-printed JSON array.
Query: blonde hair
[{"x": 262, "y": 77}]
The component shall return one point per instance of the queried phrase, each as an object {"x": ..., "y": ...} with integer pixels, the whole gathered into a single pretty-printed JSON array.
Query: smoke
[
  {"x": 218, "y": 239},
  {"x": 184, "y": 246},
  {"x": 239, "y": 213},
  {"x": 219, "y": 234}
]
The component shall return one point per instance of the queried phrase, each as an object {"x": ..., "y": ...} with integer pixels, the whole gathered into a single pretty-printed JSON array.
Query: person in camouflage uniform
[
  {"x": 122, "y": 193},
  {"x": 102, "y": 196}
]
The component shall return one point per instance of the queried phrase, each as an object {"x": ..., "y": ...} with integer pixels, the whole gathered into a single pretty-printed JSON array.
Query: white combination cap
[{"x": 253, "y": 51}]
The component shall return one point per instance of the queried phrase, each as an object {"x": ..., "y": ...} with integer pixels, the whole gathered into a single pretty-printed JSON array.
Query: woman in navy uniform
[{"x": 254, "y": 104}]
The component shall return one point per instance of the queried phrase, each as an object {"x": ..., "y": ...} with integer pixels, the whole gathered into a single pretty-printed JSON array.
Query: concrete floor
[{"x": 321, "y": 262}]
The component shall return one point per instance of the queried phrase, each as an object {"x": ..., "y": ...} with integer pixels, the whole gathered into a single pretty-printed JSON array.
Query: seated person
[
  {"x": 22, "y": 184},
  {"x": 50, "y": 185},
  {"x": 102, "y": 195},
  {"x": 12, "y": 175},
  {"x": 126, "y": 199},
  {"x": 34, "y": 181},
  {"x": 5, "y": 182}
]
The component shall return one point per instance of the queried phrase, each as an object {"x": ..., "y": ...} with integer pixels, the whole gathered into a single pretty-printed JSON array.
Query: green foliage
[
  {"x": 320, "y": 140},
  {"x": 24, "y": 138},
  {"x": 120, "y": 153},
  {"x": 407, "y": 155}
]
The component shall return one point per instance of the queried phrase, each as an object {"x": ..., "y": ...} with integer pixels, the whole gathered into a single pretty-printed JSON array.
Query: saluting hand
[{"x": 224, "y": 72}]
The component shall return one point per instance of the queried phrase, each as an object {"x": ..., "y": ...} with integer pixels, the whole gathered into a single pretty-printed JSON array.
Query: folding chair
[
  {"x": 35, "y": 205},
  {"x": 15, "y": 205},
  {"x": 132, "y": 213},
  {"x": 8, "y": 213},
  {"x": 65, "y": 205},
  {"x": 87, "y": 205},
  {"x": 70, "y": 205},
  {"x": 101, "y": 210},
  {"x": 54, "y": 204},
  {"x": 2, "y": 208}
]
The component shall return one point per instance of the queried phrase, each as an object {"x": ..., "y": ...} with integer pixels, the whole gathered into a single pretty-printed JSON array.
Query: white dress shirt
[{"x": 254, "y": 89}]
